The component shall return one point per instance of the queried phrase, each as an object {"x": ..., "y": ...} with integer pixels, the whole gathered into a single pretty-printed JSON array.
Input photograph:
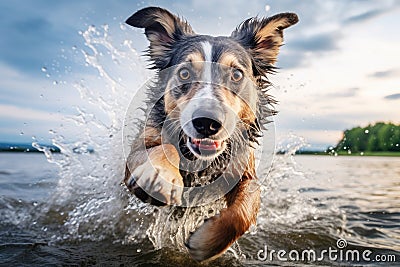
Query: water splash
[
  {"x": 93, "y": 204},
  {"x": 285, "y": 204}
]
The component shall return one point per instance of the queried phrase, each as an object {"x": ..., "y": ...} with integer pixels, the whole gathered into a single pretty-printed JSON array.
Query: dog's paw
[
  {"x": 211, "y": 239},
  {"x": 156, "y": 184}
]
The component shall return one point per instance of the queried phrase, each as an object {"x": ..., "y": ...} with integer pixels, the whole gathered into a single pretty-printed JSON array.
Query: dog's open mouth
[{"x": 206, "y": 147}]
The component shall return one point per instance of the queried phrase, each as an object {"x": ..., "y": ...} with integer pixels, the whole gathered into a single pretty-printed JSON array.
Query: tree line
[{"x": 377, "y": 137}]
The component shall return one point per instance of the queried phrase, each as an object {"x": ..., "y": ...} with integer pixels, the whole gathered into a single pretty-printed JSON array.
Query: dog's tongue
[{"x": 207, "y": 144}]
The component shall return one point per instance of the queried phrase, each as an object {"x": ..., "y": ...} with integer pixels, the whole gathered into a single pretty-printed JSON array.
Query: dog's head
[{"x": 213, "y": 87}]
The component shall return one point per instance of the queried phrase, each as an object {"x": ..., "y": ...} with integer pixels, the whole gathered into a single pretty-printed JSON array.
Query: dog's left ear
[
  {"x": 263, "y": 37},
  {"x": 162, "y": 29}
]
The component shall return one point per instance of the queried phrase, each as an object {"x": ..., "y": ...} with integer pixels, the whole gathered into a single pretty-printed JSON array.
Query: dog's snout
[{"x": 207, "y": 122}]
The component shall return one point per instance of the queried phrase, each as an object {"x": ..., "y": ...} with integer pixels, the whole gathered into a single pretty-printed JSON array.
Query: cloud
[
  {"x": 316, "y": 43},
  {"x": 321, "y": 137},
  {"x": 289, "y": 59},
  {"x": 11, "y": 112},
  {"x": 305, "y": 122},
  {"x": 365, "y": 16},
  {"x": 27, "y": 42},
  {"x": 297, "y": 51},
  {"x": 24, "y": 89},
  {"x": 392, "y": 97},
  {"x": 35, "y": 35},
  {"x": 384, "y": 74},
  {"x": 345, "y": 93}
]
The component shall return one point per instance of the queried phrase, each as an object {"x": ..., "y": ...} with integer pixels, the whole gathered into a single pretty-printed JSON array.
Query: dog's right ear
[{"x": 162, "y": 29}]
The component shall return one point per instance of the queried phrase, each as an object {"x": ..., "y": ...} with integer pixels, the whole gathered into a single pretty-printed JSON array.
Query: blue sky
[{"x": 339, "y": 67}]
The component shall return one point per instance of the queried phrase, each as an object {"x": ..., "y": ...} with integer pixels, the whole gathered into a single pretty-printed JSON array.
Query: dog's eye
[
  {"x": 184, "y": 74},
  {"x": 236, "y": 75}
]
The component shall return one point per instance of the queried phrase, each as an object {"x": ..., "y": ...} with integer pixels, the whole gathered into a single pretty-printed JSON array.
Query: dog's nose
[
  {"x": 206, "y": 126},
  {"x": 207, "y": 122}
]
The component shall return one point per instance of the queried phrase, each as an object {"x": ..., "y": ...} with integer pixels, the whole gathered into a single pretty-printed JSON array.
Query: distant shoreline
[
  {"x": 344, "y": 153},
  {"x": 26, "y": 148}
]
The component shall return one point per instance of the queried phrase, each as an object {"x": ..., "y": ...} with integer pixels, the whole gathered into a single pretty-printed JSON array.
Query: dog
[{"x": 206, "y": 109}]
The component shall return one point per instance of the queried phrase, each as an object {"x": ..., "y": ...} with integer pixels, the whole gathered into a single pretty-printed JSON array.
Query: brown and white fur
[{"x": 210, "y": 112}]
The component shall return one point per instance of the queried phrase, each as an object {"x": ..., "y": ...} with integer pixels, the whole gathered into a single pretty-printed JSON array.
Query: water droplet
[
  {"x": 138, "y": 250},
  {"x": 44, "y": 69},
  {"x": 157, "y": 187},
  {"x": 21, "y": 133},
  {"x": 366, "y": 131},
  {"x": 253, "y": 229},
  {"x": 74, "y": 47},
  {"x": 173, "y": 193},
  {"x": 267, "y": 8}
]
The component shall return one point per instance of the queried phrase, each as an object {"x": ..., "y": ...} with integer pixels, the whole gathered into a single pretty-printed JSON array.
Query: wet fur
[{"x": 254, "y": 44}]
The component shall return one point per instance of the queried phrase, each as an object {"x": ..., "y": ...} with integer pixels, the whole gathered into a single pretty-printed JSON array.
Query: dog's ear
[
  {"x": 162, "y": 29},
  {"x": 263, "y": 37}
]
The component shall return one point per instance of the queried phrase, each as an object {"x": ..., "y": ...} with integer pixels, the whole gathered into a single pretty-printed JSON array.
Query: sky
[{"x": 339, "y": 67}]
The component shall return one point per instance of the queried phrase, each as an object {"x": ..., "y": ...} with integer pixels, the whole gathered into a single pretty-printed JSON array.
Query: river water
[{"x": 308, "y": 202}]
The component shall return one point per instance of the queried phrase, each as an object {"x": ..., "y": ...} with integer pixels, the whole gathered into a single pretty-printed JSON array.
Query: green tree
[{"x": 378, "y": 137}]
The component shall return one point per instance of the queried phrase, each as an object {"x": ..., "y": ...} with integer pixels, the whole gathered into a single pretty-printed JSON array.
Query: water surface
[{"x": 309, "y": 202}]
